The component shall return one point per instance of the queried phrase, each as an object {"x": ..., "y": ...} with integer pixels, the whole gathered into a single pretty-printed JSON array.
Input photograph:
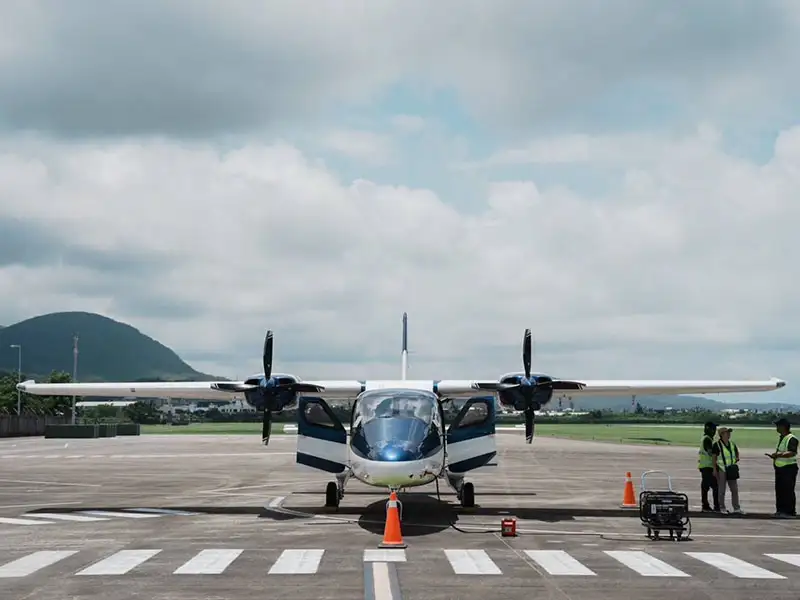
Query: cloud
[
  {"x": 366, "y": 146},
  {"x": 693, "y": 249},
  {"x": 203, "y": 68}
]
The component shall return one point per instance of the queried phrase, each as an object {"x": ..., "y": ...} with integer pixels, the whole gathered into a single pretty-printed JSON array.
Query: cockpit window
[{"x": 396, "y": 404}]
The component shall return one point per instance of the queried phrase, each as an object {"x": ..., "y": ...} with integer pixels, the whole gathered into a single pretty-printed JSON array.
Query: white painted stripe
[
  {"x": 644, "y": 564},
  {"x": 323, "y": 449},
  {"x": 459, "y": 451},
  {"x": 295, "y": 562},
  {"x": 558, "y": 562},
  {"x": 472, "y": 562},
  {"x": 384, "y": 555},
  {"x": 115, "y": 514},
  {"x": 13, "y": 521},
  {"x": 31, "y": 563},
  {"x": 792, "y": 559},
  {"x": 119, "y": 563},
  {"x": 163, "y": 511},
  {"x": 734, "y": 566},
  {"x": 382, "y": 585},
  {"x": 209, "y": 562},
  {"x": 66, "y": 517}
]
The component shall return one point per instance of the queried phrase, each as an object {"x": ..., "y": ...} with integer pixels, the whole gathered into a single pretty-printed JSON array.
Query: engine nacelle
[
  {"x": 515, "y": 398},
  {"x": 269, "y": 395}
]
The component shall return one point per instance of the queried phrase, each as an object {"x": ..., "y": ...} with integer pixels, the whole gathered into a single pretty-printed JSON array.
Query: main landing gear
[{"x": 465, "y": 490}]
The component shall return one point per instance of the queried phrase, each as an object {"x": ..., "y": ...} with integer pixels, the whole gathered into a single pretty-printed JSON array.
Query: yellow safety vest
[
  {"x": 783, "y": 446},
  {"x": 729, "y": 454},
  {"x": 704, "y": 459}
]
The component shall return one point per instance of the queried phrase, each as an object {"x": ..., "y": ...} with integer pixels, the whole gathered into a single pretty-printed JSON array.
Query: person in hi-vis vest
[
  {"x": 726, "y": 469},
  {"x": 784, "y": 459},
  {"x": 705, "y": 463}
]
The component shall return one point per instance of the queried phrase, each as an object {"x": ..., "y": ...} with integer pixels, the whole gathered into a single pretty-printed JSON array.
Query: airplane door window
[
  {"x": 476, "y": 414},
  {"x": 316, "y": 415}
]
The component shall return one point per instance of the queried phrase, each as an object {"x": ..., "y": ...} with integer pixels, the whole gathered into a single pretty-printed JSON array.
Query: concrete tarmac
[{"x": 189, "y": 516}]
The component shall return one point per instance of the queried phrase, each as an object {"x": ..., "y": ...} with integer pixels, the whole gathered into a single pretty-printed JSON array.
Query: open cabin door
[
  {"x": 321, "y": 437},
  {"x": 470, "y": 437}
]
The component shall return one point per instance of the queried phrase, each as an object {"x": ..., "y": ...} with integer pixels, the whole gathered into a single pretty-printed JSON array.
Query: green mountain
[{"x": 108, "y": 350}]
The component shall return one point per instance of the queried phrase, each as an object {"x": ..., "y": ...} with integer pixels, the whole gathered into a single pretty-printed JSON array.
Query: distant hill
[{"x": 108, "y": 350}]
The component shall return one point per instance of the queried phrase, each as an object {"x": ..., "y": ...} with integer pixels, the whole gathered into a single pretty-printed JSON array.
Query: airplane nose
[{"x": 391, "y": 453}]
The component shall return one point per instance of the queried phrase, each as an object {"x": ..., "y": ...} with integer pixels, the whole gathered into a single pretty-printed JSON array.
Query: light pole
[
  {"x": 74, "y": 372},
  {"x": 19, "y": 377}
]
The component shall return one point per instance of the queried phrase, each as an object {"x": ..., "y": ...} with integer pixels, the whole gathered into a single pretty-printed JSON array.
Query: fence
[{"x": 14, "y": 426}]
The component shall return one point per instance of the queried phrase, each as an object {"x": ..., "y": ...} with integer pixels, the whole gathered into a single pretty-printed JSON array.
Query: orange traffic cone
[
  {"x": 628, "y": 496},
  {"x": 392, "y": 537}
]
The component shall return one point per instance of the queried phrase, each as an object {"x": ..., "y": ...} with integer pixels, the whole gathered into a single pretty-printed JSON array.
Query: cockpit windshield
[
  {"x": 391, "y": 425},
  {"x": 384, "y": 404}
]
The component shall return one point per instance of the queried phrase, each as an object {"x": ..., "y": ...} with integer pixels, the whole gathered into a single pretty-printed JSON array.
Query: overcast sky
[{"x": 622, "y": 177}]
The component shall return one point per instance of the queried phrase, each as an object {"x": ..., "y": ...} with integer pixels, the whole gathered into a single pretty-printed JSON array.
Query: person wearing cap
[
  {"x": 726, "y": 469},
  {"x": 784, "y": 459},
  {"x": 705, "y": 463}
]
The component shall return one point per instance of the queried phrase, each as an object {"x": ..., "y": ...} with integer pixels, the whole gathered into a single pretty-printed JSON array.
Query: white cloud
[
  {"x": 362, "y": 145},
  {"x": 695, "y": 247}
]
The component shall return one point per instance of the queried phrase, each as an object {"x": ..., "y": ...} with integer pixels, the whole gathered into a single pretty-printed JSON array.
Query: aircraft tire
[
  {"x": 332, "y": 495},
  {"x": 468, "y": 495}
]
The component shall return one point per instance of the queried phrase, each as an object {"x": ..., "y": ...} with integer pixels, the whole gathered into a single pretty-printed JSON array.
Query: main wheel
[
  {"x": 332, "y": 495},
  {"x": 468, "y": 495}
]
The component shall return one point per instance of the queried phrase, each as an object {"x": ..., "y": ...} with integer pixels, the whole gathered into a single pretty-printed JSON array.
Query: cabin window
[
  {"x": 476, "y": 414},
  {"x": 316, "y": 415}
]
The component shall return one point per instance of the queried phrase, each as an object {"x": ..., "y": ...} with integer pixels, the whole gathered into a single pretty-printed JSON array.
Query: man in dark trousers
[
  {"x": 705, "y": 462},
  {"x": 785, "y": 461}
]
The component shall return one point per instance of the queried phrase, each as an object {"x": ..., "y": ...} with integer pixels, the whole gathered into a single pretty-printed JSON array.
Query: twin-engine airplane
[{"x": 397, "y": 436}]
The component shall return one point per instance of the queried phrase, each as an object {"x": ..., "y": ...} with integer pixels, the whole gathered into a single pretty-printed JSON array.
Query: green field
[{"x": 676, "y": 435}]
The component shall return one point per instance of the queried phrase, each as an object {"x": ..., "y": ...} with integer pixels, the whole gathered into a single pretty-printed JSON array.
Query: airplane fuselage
[{"x": 397, "y": 438}]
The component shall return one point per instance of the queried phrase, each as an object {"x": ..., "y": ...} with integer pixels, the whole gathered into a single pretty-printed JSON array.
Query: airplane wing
[
  {"x": 653, "y": 387},
  {"x": 198, "y": 390}
]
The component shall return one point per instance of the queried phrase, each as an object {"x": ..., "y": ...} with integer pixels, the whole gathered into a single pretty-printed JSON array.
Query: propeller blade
[
  {"x": 560, "y": 384},
  {"x": 305, "y": 387},
  {"x": 233, "y": 387},
  {"x": 526, "y": 354},
  {"x": 529, "y": 416},
  {"x": 266, "y": 428},
  {"x": 268, "y": 355}
]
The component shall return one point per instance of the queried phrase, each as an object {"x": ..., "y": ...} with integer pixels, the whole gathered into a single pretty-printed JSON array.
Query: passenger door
[
  {"x": 470, "y": 437},
  {"x": 321, "y": 437}
]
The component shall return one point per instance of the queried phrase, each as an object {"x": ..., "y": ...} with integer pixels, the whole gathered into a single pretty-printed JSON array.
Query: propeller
[
  {"x": 270, "y": 389},
  {"x": 528, "y": 387}
]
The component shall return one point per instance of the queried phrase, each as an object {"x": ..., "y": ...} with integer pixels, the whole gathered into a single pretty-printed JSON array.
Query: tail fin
[{"x": 404, "y": 355}]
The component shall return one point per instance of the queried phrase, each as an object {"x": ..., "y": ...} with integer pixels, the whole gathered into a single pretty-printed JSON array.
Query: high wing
[
  {"x": 654, "y": 387},
  {"x": 345, "y": 389}
]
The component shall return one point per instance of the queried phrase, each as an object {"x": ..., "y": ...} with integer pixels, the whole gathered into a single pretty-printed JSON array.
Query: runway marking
[
  {"x": 472, "y": 562},
  {"x": 165, "y": 511},
  {"x": 558, "y": 562},
  {"x": 29, "y": 481},
  {"x": 30, "y": 504},
  {"x": 644, "y": 564},
  {"x": 119, "y": 563},
  {"x": 734, "y": 566},
  {"x": 65, "y": 517},
  {"x": 296, "y": 562},
  {"x": 13, "y": 521},
  {"x": 384, "y": 555},
  {"x": 792, "y": 559},
  {"x": 380, "y": 582},
  {"x": 208, "y": 562},
  {"x": 124, "y": 515},
  {"x": 27, "y": 565}
]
